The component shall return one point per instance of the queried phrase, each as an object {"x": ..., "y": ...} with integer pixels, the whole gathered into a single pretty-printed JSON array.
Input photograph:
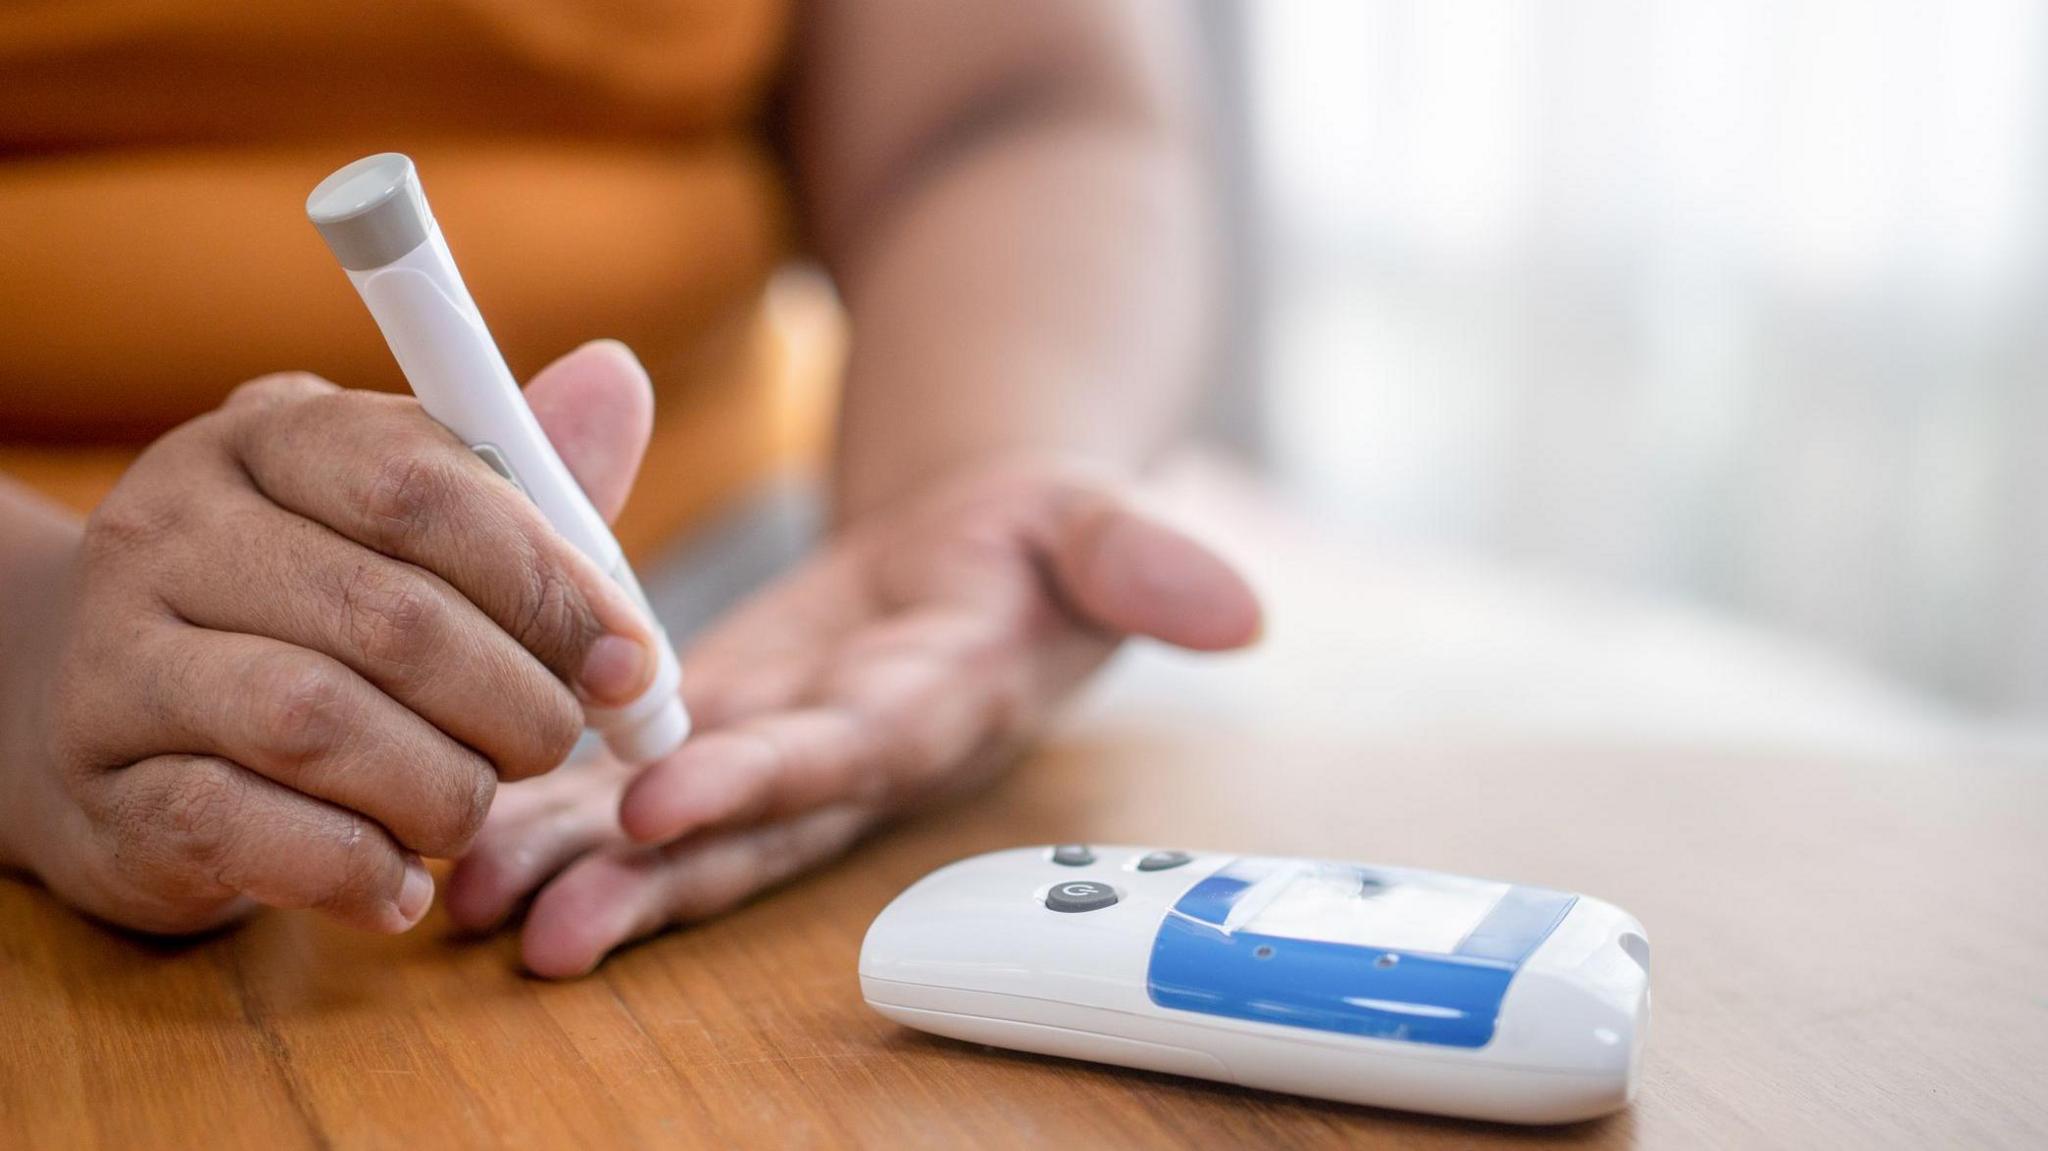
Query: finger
[
  {"x": 375, "y": 469},
  {"x": 197, "y": 830},
  {"x": 767, "y": 654},
  {"x": 1128, "y": 574},
  {"x": 718, "y": 698},
  {"x": 742, "y": 774},
  {"x": 535, "y": 830},
  {"x": 597, "y": 407},
  {"x": 612, "y": 897},
  {"x": 277, "y": 389},
  {"x": 401, "y": 628},
  {"x": 305, "y": 722},
  {"x": 903, "y": 702}
]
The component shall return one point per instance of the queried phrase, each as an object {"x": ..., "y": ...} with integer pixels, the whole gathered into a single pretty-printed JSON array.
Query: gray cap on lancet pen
[{"x": 372, "y": 211}]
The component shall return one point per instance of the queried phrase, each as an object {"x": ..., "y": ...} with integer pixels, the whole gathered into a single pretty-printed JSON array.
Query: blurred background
[
  {"x": 1614, "y": 365},
  {"x": 1614, "y": 372},
  {"x": 1739, "y": 304}
]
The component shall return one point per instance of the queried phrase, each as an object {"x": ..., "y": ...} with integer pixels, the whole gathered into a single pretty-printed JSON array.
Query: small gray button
[
  {"x": 1073, "y": 855},
  {"x": 1080, "y": 895},
  {"x": 1161, "y": 860},
  {"x": 490, "y": 454}
]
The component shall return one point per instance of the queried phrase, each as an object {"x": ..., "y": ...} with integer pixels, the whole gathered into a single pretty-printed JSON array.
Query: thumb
[
  {"x": 1130, "y": 574},
  {"x": 598, "y": 408}
]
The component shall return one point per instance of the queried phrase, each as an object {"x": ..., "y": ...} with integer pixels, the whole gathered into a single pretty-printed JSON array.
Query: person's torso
[{"x": 597, "y": 167}]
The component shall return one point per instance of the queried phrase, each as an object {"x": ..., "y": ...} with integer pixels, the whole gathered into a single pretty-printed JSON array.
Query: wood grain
[{"x": 1846, "y": 954}]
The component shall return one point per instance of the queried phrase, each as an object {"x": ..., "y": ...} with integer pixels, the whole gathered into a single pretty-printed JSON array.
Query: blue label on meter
[{"x": 1387, "y": 953}]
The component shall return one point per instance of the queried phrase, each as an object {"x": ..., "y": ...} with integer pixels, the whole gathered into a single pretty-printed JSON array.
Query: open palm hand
[{"x": 908, "y": 659}]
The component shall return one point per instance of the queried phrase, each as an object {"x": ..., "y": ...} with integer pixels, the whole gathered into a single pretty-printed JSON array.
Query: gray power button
[{"x": 1080, "y": 895}]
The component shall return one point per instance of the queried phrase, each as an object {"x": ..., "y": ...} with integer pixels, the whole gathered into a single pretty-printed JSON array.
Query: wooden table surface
[{"x": 1844, "y": 954}]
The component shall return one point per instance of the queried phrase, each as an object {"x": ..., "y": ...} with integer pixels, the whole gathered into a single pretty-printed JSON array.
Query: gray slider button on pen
[{"x": 490, "y": 454}]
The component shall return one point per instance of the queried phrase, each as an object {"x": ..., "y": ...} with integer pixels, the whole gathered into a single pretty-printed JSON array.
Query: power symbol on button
[{"x": 1080, "y": 895}]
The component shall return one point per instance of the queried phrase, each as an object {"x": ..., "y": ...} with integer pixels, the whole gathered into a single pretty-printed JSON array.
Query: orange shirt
[{"x": 598, "y": 169}]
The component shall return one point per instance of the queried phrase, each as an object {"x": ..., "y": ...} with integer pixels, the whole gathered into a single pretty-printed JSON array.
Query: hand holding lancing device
[{"x": 296, "y": 649}]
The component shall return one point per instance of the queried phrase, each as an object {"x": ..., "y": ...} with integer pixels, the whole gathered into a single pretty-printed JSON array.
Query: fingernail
[
  {"x": 418, "y": 891},
  {"x": 614, "y": 669}
]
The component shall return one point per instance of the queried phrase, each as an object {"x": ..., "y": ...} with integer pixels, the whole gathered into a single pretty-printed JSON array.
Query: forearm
[
  {"x": 1045, "y": 293},
  {"x": 36, "y": 545},
  {"x": 1011, "y": 200}
]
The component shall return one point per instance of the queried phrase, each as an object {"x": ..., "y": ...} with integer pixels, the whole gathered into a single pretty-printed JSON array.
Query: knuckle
[
  {"x": 391, "y": 617},
  {"x": 552, "y": 620},
  {"x": 558, "y": 727},
  {"x": 170, "y": 491},
  {"x": 357, "y": 874},
  {"x": 469, "y": 789},
  {"x": 301, "y": 708},
  {"x": 406, "y": 492},
  {"x": 277, "y": 387},
  {"x": 198, "y": 816},
  {"x": 127, "y": 524},
  {"x": 553, "y": 724}
]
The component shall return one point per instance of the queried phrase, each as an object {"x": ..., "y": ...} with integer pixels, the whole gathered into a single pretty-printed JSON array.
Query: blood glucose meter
[{"x": 1365, "y": 984}]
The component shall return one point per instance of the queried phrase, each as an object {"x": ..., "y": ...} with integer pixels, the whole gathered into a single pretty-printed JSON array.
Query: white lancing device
[{"x": 374, "y": 215}]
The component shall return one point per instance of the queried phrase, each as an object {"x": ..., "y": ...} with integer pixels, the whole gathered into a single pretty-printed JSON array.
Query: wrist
[{"x": 40, "y": 546}]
